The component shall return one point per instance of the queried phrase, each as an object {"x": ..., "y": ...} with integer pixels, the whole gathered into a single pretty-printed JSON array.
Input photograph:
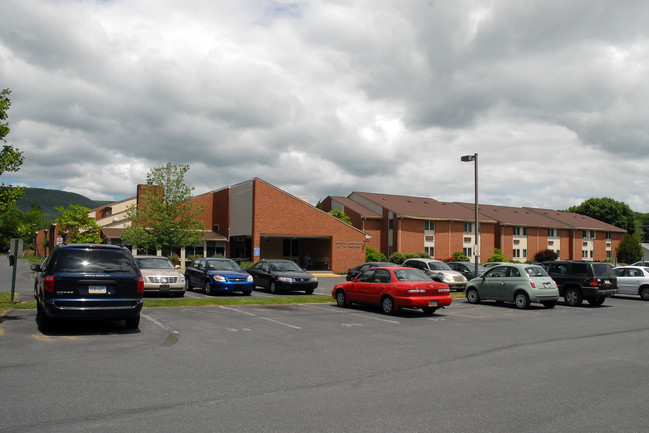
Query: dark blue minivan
[{"x": 88, "y": 281}]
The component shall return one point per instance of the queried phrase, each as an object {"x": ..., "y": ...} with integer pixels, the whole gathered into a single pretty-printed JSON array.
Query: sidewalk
[{"x": 24, "y": 289}]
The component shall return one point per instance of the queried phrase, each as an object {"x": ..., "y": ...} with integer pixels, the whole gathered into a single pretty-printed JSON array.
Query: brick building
[{"x": 420, "y": 224}]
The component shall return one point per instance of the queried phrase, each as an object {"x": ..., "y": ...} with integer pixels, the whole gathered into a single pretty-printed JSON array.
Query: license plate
[
  {"x": 432, "y": 303},
  {"x": 164, "y": 286},
  {"x": 96, "y": 290}
]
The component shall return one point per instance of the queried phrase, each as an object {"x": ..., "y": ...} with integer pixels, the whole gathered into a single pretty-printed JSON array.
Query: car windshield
[
  {"x": 95, "y": 260},
  {"x": 411, "y": 275},
  {"x": 536, "y": 271},
  {"x": 154, "y": 263},
  {"x": 602, "y": 269},
  {"x": 222, "y": 265},
  {"x": 284, "y": 267},
  {"x": 438, "y": 266}
]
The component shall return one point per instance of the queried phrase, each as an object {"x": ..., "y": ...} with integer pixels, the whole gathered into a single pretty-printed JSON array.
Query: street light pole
[{"x": 476, "y": 247}]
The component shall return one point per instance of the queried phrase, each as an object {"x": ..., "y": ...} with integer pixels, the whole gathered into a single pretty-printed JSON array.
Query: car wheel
[
  {"x": 208, "y": 288},
  {"x": 472, "y": 296},
  {"x": 246, "y": 293},
  {"x": 341, "y": 299},
  {"x": 596, "y": 302},
  {"x": 309, "y": 291},
  {"x": 272, "y": 288},
  {"x": 644, "y": 293},
  {"x": 188, "y": 285},
  {"x": 573, "y": 297},
  {"x": 43, "y": 322},
  {"x": 132, "y": 322},
  {"x": 429, "y": 311},
  {"x": 387, "y": 304},
  {"x": 549, "y": 304},
  {"x": 521, "y": 300}
]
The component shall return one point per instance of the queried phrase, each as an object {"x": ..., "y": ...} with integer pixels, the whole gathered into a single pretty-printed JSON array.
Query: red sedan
[{"x": 393, "y": 289}]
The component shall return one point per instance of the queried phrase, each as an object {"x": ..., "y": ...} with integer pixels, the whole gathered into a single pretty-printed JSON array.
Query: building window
[
  {"x": 429, "y": 225},
  {"x": 390, "y": 224},
  {"x": 554, "y": 233},
  {"x": 525, "y": 253},
  {"x": 467, "y": 251},
  {"x": 608, "y": 254},
  {"x": 468, "y": 228},
  {"x": 608, "y": 236},
  {"x": 584, "y": 254},
  {"x": 520, "y": 231},
  {"x": 430, "y": 251},
  {"x": 516, "y": 254}
]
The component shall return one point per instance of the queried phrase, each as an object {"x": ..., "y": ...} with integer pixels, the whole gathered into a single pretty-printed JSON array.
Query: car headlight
[
  {"x": 219, "y": 278},
  {"x": 448, "y": 279},
  {"x": 249, "y": 279},
  {"x": 285, "y": 279},
  {"x": 181, "y": 278}
]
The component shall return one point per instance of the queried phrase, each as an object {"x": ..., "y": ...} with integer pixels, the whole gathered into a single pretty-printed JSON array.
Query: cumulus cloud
[{"x": 326, "y": 97}]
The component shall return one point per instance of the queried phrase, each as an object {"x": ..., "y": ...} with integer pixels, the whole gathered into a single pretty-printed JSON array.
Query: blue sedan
[{"x": 218, "y": 275}]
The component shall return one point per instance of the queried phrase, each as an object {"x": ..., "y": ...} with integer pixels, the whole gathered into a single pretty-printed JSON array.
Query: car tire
[
  {"x": 429, "y": 311},
  {"x": 179, "y": 294},
  {"x": 549, "y": 304},
  {"x": 247, "y": 293},
  {"x": 521, "y": 300},
  {"x": 472, "y": 296},
  {"x": 387, "y": 305},
  {"x": 596, "y": 302},
  {"x": 341, "y": 299},
  {"x": 644, "y": 293},
  {"x": 208, "y": 288},
  {"x": 309, "y": 291},
  {"x": 188, "y": 285},
  {"x": 132, "y": 322},
  {"x": 43, "y": 322},
  {"x": 272, "y": 288},
  {"x": 573, "y": 297}
]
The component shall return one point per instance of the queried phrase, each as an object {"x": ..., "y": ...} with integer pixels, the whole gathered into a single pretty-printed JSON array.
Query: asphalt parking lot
[{"x": 320, "y": 368}]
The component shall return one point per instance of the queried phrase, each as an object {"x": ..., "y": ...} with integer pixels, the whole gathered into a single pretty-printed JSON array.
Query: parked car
[
  {"x": 489, "y": 265},
  {"x": 88, "y": 281},
  {"x": 438, "y": 271},
  {"x": 282, "y": 275},
  {"x": 579, "y": 280},
  {"x": 160, "y": 275},
  {"x": 519, "y": 283},
  {"x": 355, "y": 271},
  {"x": 393, "y": 288},
  {"x": 218, "y": 275},
  {"x": 643, "y": 263},
  {"x": 633, "y": 280},
  {"x": 467, "y": 269}
]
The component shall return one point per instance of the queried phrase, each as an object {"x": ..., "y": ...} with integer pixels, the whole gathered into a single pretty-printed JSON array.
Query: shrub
[
  {"x": 397, "y": 258},
  {"x": 545, "y": 255},
  {"x": 245, "y": 265},
  {"x": 371, "y": 255},
  {"x": 458, "y": 256},
  {"x": 497, "y": 256}
]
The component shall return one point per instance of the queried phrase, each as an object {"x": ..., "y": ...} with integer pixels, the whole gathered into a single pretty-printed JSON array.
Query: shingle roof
[
  {"x": 356, "y": 207},
  {"x": 516, "y": 216},
  {"x": 578, "y": 221}
]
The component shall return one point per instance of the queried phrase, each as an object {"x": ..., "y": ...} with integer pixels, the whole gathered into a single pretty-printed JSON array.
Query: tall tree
[
  {"x": 76, "y": 226},
  {"x": 608, "y": 210},
  {"x": 341, "y": 216},
  {"x": 10, "y": 158},
  {"x": 164, "y": 218},
  {"x": 629, "y": 250}
]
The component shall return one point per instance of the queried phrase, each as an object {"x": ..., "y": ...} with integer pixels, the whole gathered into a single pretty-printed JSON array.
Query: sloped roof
[
  {"x": 516, "y": 216},
  {"x": 424, "y": 207},
  {"x": 356, "y": 207},
  {"x": 578, "y": 221}
]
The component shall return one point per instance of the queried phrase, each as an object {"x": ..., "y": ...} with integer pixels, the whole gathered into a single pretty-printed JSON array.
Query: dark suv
[
  {"x": 592, "y": 281},
  {"x": 88, "y": 281}
]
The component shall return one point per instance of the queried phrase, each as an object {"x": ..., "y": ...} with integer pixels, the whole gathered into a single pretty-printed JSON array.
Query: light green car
[{"x": 514, "y": 282}]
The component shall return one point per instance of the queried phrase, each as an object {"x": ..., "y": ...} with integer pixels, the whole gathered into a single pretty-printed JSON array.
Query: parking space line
[
  {"x": 161, "y": 325},
  {"x": 260, "y": 317},
  {"x": 342, "y": 311}
]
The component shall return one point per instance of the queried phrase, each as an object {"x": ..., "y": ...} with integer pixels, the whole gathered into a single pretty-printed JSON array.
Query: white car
[
  {"x": 633, "y": 280},
  {"x": 160, "y": 275}
]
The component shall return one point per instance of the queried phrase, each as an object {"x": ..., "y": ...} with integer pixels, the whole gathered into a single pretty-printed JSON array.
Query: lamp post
[{"x": 476, "y": 247}]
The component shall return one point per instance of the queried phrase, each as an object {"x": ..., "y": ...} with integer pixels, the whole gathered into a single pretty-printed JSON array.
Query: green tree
[
  {"x": 341, "y": 216},
  {"x": 608, "y": 210},
  {"x": 544, "y": 256},
  {"x": 164, "y": 217},
  {"x": 10, "y": 158},
  {"x": 629, "y": 250},
  {"x": 75, "y": 225}
]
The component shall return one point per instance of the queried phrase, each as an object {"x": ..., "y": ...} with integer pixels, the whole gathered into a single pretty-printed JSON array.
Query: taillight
[
  {"x": 140, "y": 284},
  {"x": 48, "y": 282},
  {"x": 533, "y": 284},
  {"x": 594, "y": 283}
]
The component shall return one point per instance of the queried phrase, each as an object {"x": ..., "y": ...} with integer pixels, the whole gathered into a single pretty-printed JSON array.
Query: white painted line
[
  {"x": 342, "y": 311},
  {"x": 154, "y": 321},
  {"x": 374, "y": 318},
  {"x": 261, "y": 317}
]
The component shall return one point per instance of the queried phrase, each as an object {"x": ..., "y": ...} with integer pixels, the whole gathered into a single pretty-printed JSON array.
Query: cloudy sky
[{"x": 328, "y": 97}]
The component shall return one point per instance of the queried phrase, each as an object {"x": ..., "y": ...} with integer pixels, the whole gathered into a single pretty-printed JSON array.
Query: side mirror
[{"x": 35, "y": 267}]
